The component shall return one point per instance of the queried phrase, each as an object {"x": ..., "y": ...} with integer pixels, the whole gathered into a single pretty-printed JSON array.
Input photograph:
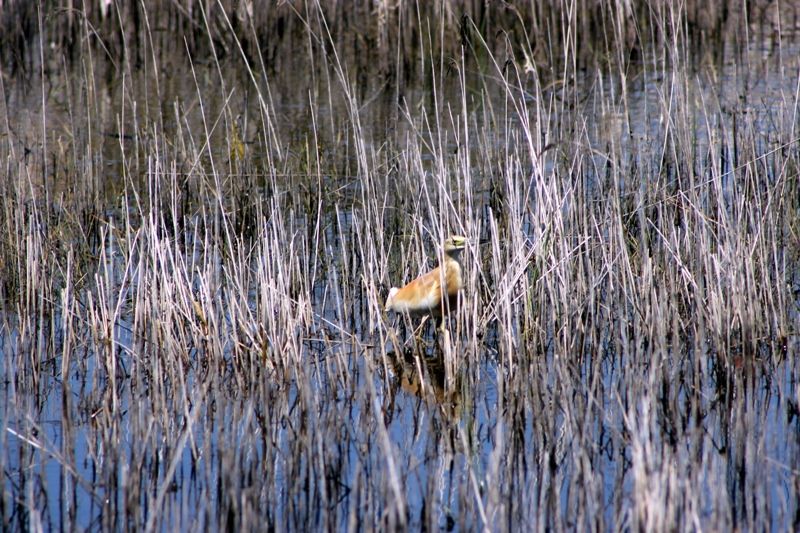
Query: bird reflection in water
[{"x": 425, "y": 378}]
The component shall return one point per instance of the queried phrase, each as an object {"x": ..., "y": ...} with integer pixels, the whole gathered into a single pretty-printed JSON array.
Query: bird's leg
[
  {"x": 418, "y": 332},
  {"x": 415, "y": 337}
]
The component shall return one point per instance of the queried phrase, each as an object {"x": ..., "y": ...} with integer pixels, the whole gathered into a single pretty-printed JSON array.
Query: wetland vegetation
[{"x": 204, "y": 205}]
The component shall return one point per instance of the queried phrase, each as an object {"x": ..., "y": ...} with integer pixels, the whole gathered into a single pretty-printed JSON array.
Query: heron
[{"x": 436, "y": 292}]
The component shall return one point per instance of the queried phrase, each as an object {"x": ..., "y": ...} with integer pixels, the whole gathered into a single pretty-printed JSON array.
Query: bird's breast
[{"x": 453, "y": 277}]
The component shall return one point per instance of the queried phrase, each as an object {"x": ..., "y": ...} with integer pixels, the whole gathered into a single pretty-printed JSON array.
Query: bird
[{"x": 425, "y": 295}]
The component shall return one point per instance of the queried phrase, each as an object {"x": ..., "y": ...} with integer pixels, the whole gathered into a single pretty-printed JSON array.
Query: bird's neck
[{"x": 454, "y": 256}]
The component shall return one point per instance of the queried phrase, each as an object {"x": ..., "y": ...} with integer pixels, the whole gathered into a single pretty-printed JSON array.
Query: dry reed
[{"x": 201, "y": 223}]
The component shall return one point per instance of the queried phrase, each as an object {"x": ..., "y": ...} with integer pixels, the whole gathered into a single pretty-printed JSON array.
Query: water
[{"x": 215, "y": 356}]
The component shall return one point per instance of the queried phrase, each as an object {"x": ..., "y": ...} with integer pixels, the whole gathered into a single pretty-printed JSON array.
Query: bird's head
[{"x": 454, "y": 244}]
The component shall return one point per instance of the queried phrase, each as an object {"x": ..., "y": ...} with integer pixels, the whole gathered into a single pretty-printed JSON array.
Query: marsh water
[{"x": 198, "y": 247}]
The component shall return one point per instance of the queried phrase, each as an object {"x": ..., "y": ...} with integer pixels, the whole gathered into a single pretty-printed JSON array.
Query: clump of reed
[{"x": 194, "y": 269}]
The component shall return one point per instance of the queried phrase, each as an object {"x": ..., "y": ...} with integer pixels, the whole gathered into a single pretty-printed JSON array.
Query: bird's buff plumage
[{"x": 425, "y": 295}]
